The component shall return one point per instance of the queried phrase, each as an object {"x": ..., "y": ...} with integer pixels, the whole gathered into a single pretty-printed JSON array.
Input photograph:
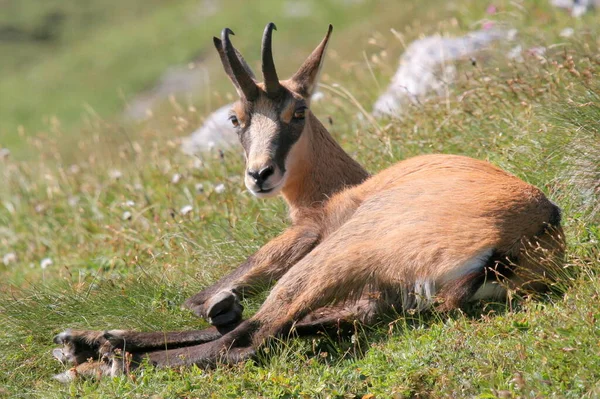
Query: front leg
[
  {"x": 79, "y": 346},
  {"x": 113, "y": 352},
  {"x": 220, "y": 303}
]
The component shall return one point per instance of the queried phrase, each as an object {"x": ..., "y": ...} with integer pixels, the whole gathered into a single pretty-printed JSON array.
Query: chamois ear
[{"x": 307, "y": 76}]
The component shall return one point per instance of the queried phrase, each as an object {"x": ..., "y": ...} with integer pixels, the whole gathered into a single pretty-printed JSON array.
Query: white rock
[
  {"x": 577, "y": 7},
  {"x": 208, "y": 8},
  {"x": 297, "y": 8},
  {"x": 427, "y": 66},
  {"x": 176, "y": 81},
  {"x": 199, "y": 188},
  {"x": 126, "y": 215},
  {"x": 216, "y": 132}
]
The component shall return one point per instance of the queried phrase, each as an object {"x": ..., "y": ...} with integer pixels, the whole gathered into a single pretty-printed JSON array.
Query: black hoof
[{"x": 224, "y": 308}]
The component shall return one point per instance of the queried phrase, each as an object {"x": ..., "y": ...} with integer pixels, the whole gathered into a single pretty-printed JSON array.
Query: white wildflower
[
  {"x": 516, "y": 53},
  {"x": 126, "y": 215},
  {"x": 176, "y": 178},
  {"x": 318, "y": 96},
  {"x": 538, "y": 51},
  {"x": 73, "y": 201},
  {"x": 9, "y": 258},
  {"x": 220, "y": 188},
  {"x": 186, "y": 209},
  {"x": 46, "y": 262},
  {"x": 74, "y": 169},
  {"x": 567, "y": 32},
  {"x": 199, "y": 188},
  {"x": 115, "y": 174},
  {"x": 130, "y": 203}
]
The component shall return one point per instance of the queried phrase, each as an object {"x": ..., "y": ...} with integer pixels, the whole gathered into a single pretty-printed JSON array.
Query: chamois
[{"x": 434, "y": 230}]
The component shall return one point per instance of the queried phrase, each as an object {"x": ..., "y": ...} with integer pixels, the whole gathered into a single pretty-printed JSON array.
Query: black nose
[{"x": 262, "y": 175}]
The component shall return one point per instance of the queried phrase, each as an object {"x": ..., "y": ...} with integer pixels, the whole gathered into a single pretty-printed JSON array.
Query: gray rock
[
  {"x": 576, "y": 7},
  {"x": 216, "y": 132},
  {"x": 427, "y": 67},
  {"x": 176, "y": 80}
]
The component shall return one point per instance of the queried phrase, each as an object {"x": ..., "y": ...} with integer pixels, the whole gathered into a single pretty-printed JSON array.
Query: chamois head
[{"x": 270, "y": 117}]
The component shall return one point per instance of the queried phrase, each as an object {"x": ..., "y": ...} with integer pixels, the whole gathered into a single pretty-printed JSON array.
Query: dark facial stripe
[{"x": 288, "y": 135}]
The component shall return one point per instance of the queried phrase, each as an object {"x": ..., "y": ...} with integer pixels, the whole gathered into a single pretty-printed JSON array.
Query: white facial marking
[{"x": 261, "y": 152}]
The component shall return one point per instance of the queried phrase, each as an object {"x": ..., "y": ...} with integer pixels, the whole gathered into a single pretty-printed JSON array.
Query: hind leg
[
  {"x": 78, "y": 346},
  {"x": 114, "y": 352},
  {"x": 99, "y": 353},
  {"x": 540, "y": 261},
  {"x": 239, "y": 345},
  {"x": 534, "y": 266}
]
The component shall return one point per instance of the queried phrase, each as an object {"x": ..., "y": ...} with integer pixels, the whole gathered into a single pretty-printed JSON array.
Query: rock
[
  {"x": 208, "y": 8},
  {"x": 297, "y": 9},
  {"x": 576, "y": 7},
  {"x": 216, "y": 132},
  {"x": 426, "y": 66},
  {"x": 176, "y": 80}
]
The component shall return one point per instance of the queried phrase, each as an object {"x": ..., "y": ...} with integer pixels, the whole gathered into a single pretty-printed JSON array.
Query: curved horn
[
  {"x": 272, "y": 84},
  {"x": 242, "y": 76}
]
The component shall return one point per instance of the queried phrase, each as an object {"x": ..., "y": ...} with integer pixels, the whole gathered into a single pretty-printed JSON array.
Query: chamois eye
[
  {"x": 299, "y": 113},
  {"x": 234, "y": 121}
]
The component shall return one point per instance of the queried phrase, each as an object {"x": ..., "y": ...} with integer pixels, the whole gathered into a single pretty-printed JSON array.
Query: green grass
[{"x": 539, "y": 120}]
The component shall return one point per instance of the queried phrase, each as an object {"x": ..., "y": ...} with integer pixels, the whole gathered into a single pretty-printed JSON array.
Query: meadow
[{"x": 95, "y": 234}]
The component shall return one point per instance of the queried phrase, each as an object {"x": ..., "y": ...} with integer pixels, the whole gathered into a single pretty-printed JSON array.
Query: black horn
[
  {"x": 242, "y": 76},
  {"x": 272, "y": 85}
]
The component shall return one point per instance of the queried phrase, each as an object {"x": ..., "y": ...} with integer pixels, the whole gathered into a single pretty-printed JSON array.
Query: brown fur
[{"x": 432, "y": 229}]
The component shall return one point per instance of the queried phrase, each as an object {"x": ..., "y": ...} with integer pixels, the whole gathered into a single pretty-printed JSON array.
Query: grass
[{"x": 68, "y": 203}]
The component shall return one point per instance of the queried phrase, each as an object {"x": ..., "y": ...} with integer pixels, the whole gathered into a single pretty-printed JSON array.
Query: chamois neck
[{"x": 320, "y": 169}]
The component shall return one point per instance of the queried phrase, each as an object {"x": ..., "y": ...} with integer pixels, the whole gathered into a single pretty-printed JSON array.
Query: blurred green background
[{"x": 66, "y": 61}]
